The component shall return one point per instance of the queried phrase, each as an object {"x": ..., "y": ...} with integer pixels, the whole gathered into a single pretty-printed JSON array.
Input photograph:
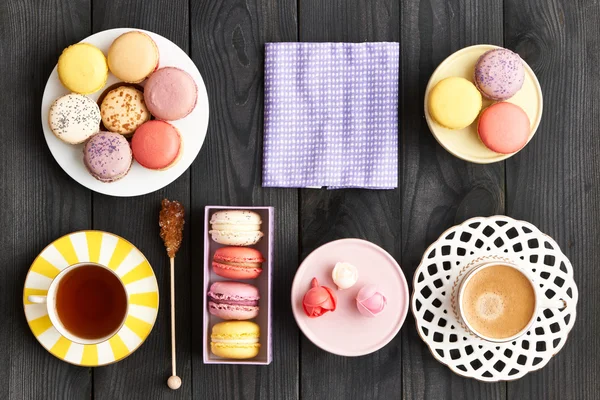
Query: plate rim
[
  {"x": 405, "y": 290},
  {"x": 105, "y": 188},
  {"x": 499, "y": 157},
  {"x": 98, "y": 364}
]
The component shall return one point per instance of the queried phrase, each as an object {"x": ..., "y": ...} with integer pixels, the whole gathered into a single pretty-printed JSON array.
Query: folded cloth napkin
[{"x": 331, "y": 115}]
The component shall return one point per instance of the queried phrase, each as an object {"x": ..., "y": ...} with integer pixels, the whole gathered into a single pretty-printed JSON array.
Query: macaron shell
[
  {"x": 107, "y": 156},
  {"x": 455, "y": 103},
  {"x": 234, "y": 238},
  {"x": 156, "y": 145},
  {"x": 236, "y": 217},
  {"x": 170, "y": 94},
  {"x": 123, "y": 110},
  {"x": 499, "y": 74},
  {"x": 238, "y": 255},
  {"x": 235, "y": 351},
  {"x": 82, "y": 68},
  {"x": 73, "y": 118},
  {"x": 133, "y": 56},
  {"x": 504, "y": 128},
  {"x": 232, "y": 312},
  {"x": 233, "y": 272}
]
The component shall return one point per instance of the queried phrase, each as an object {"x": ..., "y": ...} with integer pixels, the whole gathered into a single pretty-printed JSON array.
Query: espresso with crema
[{"x": 498, "y": 301}]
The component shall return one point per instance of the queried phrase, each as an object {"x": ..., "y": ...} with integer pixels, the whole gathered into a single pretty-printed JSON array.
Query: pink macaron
[
  {"x": 233, "y": 300},
  {"x": 156, "y": 145},
  {"x": 170, "y": 94},
  {"x": 238, "y": 262},
  {"x": 504, "y": 128}
]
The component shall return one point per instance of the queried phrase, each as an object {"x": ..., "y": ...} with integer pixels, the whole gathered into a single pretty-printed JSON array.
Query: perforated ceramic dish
[{"x": 454, "y": 253}]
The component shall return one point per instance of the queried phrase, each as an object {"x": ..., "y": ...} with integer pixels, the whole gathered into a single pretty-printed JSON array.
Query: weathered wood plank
[
  {"x": 228, "y": 46},
  {"x": 143, "y": 375},
  {"x": 439, "y": 190},
  {"x": 334, "y": 214},
  {"x": 39, "y": 202},
  {"x": 553, "y": 182}
]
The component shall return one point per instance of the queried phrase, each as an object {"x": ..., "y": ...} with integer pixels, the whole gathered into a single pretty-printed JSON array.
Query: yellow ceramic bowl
[{"x": 464, "y": 143}]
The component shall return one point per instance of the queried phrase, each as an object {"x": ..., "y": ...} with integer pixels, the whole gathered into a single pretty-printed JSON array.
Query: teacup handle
[
  {"x": 559, "y": 303},
  {"x": 37, "y": 299}
]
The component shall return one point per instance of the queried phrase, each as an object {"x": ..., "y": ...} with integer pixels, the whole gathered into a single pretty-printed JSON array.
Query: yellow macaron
[
  {"x": 235, "y": 339},
  {"x": 455, "y": 102},
  {"x": 82, "y": 68},
  {"x": 133, "y": 56}
]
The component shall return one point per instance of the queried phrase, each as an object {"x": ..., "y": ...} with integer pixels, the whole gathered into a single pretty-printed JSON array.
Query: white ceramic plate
[
  {"x": 465, "y": 143},
  {"x": 345, "y": 331},
  {"x": 139, "y": 180}
]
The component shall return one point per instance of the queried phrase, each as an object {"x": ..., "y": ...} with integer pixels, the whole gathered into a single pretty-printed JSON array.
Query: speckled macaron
[
  {"x": 73, "y": 118},
  {"x": 107, "y": 156},
  {"x": 236, "y": 227},
  {"x": 123, "y": 110},
  {"x": 499, "y": 74}
]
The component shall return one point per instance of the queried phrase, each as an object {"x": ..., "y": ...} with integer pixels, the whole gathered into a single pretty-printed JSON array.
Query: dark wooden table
[{"x": 552, "y": 183}]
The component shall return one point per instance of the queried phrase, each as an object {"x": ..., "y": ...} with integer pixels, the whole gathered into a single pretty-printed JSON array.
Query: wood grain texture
[
  {"x": 144, "y": 374},
  {"x": 39, "y": 202},
  {"x": 334, "y": 214},
  {"x": 439, "y": 190},
  {"x": 553, "y": 183},
  {"x": 228, "y": 46}
]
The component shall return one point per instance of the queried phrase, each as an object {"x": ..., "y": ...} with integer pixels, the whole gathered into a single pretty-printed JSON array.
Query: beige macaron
[
  {"x": 123, "y": 110},
  {"x": 133, "y": 56}
]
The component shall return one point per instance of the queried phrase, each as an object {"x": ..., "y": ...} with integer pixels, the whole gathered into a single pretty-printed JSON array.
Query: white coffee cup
[
  {"x": 50, "y": 300},
  {"x": 541, "y": 302}
]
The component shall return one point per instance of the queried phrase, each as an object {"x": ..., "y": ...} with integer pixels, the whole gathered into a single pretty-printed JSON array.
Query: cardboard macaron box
[{"x": 238, "y": 249}]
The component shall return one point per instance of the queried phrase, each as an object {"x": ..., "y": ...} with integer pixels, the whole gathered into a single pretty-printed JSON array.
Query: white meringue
[{"x": 344, "y": 275}]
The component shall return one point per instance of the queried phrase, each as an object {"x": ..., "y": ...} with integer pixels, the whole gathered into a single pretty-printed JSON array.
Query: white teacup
[
  {"x": 50, "y": 301},
  {"x": 540, "y": 301}
]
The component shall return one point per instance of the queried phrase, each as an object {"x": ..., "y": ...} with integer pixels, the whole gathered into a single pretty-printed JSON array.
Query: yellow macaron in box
[
  {"x": 235, "y": 339},
  {"x": 82, "y": 68}
]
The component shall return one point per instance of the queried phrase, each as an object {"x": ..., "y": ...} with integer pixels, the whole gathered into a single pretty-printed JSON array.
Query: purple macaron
[
  {"x": 170, "y": 94},
  {"x": 233, "y": 300},
  {"x": 499, "y": 74},
  {"x": 107, "y": 156}
]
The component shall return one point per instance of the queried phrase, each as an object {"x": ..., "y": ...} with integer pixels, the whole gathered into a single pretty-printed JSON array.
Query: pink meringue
[{"x": 370, "y": 301}]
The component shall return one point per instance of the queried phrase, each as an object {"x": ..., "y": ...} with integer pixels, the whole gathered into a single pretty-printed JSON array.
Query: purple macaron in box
[{"x": 227, "y": 298}]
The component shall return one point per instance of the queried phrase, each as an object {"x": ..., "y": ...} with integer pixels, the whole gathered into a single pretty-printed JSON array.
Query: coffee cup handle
[
  {"x": 559, "y": 304},
  {"x": 37, "y": 299}
]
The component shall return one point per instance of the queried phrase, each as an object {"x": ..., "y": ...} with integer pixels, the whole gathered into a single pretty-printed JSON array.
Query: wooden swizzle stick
[{"x": 171, "y": 231}]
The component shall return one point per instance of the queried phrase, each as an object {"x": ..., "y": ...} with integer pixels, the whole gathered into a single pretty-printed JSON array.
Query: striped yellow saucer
[{"x": 133, "y": 269}]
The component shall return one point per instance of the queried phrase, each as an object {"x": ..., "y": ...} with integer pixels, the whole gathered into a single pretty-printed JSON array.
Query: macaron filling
[{"x": 220, "y": 298}]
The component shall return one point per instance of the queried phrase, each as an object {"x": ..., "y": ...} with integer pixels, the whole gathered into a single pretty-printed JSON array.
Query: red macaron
[
  {"x": 238, "y": 262},
  {"x": 156, "y": 145},
  {"x": 504, "y": 128}
]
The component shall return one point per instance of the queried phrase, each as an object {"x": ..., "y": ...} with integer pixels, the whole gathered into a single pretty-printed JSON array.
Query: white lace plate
[{"x": 453, "y": 254}]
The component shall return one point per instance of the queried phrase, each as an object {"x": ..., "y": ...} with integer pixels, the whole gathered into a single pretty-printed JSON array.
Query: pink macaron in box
[{"x": 238, "y": 253}]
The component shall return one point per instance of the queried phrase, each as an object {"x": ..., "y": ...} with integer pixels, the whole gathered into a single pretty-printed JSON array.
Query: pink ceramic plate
[{"x": 345, "y": 331}]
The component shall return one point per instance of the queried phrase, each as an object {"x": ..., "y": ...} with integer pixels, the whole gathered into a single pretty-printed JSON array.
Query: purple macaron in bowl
[
  {"x": 499, "y": 74},
  {"x": 233, "y": 300},
  {"x": 107, "y": 156},
  {"x": 170, "y": 94}
]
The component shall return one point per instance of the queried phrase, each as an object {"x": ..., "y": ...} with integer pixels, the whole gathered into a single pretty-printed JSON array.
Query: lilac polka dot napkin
[{"x": 331, "y": 115}]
